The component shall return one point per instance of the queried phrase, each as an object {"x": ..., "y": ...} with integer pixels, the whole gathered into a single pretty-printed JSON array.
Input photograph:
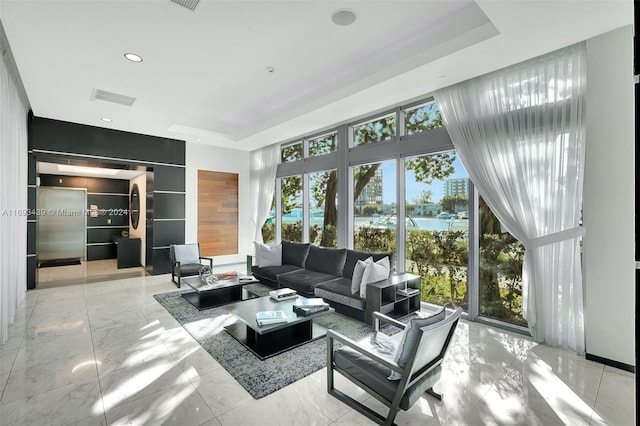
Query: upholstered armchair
[
  {"x": 186, "y": 261},
  {"x": 396, "y": 370}
]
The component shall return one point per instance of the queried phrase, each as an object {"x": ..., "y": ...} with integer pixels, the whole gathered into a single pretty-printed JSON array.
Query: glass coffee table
[
  {"x": 268, "y": 340},
  {"x": 225, "y": 290}
]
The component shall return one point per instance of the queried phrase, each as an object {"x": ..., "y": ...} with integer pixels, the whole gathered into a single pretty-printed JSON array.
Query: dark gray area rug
[{"x": 259, "y": 378}]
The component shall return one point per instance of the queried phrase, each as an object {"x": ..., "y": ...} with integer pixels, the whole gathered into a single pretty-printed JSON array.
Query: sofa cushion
[
  {"x": 339, "y": 291},
  {"x": 353, "y": 256},
  {"x": 358, "y": 273},
  {"x": 186, "y": 253},
  {"x": 326, "y": 260},
  {"x": 303, "y": 280},
  {"x": 271, "y": 272},
  {"x": 294, "y": 253},
  {"x": 412, "y": 333},
  {"x": 374, "y": 375},
  {"x": 374, "y": 272},
  {"x": 189, "y": 269}
]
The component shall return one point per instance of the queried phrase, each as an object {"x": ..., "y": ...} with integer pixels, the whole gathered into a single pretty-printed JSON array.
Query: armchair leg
[
  {"x": 391, "y": 416},
  {"x": 434, "y": 394}
]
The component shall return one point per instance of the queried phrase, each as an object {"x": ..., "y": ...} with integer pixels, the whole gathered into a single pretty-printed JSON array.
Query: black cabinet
[
  {"x": 128, "y": 252},
  {"x": 384, "y": 297}
]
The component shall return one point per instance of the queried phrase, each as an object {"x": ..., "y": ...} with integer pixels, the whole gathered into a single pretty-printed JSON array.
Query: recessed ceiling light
[
  {"x": 133, "y": 57},
  {"x": 343, "y": 17},
  {"x": 442, "y": 76},
  {"x": 271, "y": 69},
  {"x": 108, "y": 120}
]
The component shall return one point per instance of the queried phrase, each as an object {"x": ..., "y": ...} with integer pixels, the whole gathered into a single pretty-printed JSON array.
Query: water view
[{"x": 422, "y": 223}]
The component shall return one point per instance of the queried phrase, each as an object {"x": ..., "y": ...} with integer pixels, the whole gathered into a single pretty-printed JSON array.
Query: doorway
[
  {"x": 62, "y": 230},
  {"x": 83, "y": 237}
]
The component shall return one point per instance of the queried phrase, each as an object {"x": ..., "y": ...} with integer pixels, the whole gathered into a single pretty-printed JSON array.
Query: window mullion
[
  {"x": 473, "y": 267},
  {"x": 278, "y": 218},
  {"x": 400, "y": 215},
  {"x": 305, "y": 208},
  {"x": 345, "y": 221}
]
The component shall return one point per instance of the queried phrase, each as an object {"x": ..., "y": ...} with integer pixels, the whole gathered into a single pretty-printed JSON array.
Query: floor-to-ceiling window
[
  {"x": 374, "y": 211},
  {"x": 437, "y": 230},
  {"x": 291, "y": 215},
  {"x": 500, "y": 275},
  {"x": 323, "y": 199},
  {"x": 408, "y": 193}
]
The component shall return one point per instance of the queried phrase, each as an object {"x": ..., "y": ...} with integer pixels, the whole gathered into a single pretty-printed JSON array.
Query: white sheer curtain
[
  {"x": 13, "y": 199},
  {"x": 520, "y": 133},
  {"x": 264, "y": 164}
]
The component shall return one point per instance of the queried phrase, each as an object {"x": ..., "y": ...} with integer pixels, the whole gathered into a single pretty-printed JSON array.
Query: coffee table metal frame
[
  {"x": 225, "y": 290},
  {"x": 269, "y": 340}
]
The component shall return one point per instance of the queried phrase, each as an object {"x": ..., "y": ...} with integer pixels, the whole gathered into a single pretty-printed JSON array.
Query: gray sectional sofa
[{"x": 320, "y": 272}]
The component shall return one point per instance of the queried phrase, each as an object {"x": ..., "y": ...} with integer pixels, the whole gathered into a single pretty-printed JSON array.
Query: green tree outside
[{"x": 439, "y": 257}]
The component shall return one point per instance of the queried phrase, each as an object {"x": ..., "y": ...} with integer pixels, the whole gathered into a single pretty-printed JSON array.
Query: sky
[{"x": 414, "y": 188}]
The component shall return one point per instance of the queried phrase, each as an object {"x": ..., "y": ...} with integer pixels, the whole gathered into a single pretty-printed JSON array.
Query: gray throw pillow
[
  {"x": 358, "y": 272},
  {"x": 325, "y": 260},
  {"x": 411, "y": 335},
  {"x": 294, "y": 253}
]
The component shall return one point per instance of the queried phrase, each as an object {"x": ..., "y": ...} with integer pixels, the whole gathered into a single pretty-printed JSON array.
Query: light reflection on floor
[{"x": 108, "y": 353}]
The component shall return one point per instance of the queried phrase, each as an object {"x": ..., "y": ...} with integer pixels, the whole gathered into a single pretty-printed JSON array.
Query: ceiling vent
[
  {"x": 115, "y": 98},
  {"x": 189, "y": 4}
]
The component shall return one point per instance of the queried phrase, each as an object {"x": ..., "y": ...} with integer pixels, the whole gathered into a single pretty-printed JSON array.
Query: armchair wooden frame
[{"x": 411, "y": 374}]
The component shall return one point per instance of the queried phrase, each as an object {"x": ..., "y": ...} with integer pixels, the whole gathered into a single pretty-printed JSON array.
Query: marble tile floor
[
  {"x": 108, "y": 353},
  {"x": 86, "y": 272}
]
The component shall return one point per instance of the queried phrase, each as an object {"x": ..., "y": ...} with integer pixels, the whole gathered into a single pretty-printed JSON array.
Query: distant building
[
  {"x": 388, "y": 208},
  {"x": 456, "y": 186},
  {"x": 426, "y": 209},
  {"x": 372, "y": 193}
]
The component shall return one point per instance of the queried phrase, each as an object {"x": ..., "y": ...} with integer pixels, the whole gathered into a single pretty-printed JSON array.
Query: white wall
[
  {"x": 141, "y": 231},
  {"x": 204, "y": 157},
  {"x": 609, "y": 201}
]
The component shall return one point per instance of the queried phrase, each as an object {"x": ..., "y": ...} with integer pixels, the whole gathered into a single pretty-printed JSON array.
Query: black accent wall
[
  {"x": 112, "y": 198},
  {"x": 163, "y": 159}
]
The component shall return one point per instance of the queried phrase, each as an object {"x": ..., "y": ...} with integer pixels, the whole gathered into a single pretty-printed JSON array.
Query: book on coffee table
[
  {"x": 306, "y": 302},
  {"x": 310, "y": 310},
  {"x": 283, "y": 294},
  {"x": 270, "y": 317}
]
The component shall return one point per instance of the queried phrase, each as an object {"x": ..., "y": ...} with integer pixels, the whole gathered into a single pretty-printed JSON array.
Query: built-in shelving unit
[{"x": 384, "y": 297}]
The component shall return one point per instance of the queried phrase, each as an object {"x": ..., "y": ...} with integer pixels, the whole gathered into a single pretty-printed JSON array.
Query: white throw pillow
[
  {"x": 358, "y": 272},
  {"x": 269, "y": 256},
  {"x": 376, "y": 271}
]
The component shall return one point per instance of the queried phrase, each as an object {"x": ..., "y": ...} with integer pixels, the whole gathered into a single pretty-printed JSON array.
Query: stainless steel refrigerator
[{"x": 62, "y": 224}]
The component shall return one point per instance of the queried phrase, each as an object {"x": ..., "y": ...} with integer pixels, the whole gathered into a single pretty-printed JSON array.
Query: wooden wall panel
[{"x": 217, "y": 213}]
